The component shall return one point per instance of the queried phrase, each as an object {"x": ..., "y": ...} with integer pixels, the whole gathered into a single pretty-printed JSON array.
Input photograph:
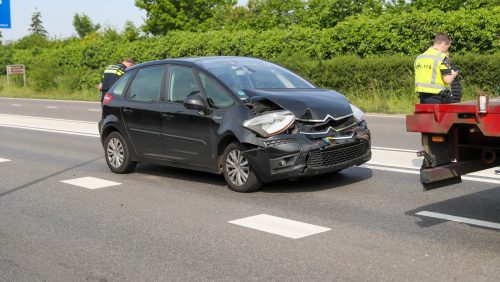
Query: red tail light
[{"x": 107, "y": 98}]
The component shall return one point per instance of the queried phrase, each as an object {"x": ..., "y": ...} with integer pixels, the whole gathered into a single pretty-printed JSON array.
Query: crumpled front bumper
[{"x": 292, "y": 156}]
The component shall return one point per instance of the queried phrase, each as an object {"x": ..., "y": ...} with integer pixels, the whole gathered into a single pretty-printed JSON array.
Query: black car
[{"x": 249, "y": 119}]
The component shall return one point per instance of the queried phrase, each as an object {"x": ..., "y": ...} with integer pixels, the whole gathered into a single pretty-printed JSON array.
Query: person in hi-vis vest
[{"x": 433, "y": 74}]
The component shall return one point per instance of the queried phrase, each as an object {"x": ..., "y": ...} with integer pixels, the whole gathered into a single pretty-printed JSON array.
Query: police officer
[
  {"x": 112, "y": 73},
  {"x": 433, "y": 74}
]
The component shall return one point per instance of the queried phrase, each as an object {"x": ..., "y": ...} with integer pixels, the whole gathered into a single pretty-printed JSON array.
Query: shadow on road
[
  {"x": 484, "y": 205},
  {"x": 180, "y": 174},
  {"x": 3, "y": 194},
  {"x": 320, "y": 182},
  {"x": 306, "y": 184}
]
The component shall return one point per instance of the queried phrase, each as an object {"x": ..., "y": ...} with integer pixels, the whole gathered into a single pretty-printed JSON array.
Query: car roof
[{"x": 192, "y": 61}]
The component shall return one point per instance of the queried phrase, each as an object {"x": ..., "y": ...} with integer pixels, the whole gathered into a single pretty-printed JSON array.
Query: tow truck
[{"x": 457, "y": 139}]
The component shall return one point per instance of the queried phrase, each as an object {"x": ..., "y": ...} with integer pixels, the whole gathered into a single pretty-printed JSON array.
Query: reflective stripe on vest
[
  {"x": 117, "y": 72},
  {"x": 428, "y": 82}
]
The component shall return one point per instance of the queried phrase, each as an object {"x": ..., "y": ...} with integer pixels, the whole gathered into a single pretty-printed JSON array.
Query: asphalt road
[{"x": 164, "y": 223}]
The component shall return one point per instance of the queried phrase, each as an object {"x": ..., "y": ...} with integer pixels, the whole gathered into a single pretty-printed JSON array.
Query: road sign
[
  {"x": 15, "y": 69},
  {"x": 4, "y": 13}
]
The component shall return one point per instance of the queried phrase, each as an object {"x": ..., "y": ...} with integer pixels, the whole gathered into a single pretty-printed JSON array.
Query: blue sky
[{"x": 57, "y": 15}]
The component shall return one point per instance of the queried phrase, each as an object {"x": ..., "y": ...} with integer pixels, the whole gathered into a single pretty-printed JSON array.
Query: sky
[{"x": 57, "y": 15}]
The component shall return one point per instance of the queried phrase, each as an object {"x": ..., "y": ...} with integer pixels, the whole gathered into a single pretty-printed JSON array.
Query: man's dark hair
[
  {"x": 442, "y": 38},
  {"x": 129, "y": 60}
]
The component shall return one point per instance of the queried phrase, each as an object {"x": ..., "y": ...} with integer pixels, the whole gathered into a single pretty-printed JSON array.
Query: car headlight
[
  {"x": 359, "y": 115},
  {"x": 270, "y": 124}
]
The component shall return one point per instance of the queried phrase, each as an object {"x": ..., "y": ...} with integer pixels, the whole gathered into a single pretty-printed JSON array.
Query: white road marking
[
  {"x": 460, "y": 219},
  {"x": 280, "y": 226},
  {"x": 46, "y": 100},
  {"x": 91, "y": 182},
  {"x": 52, "y": 107},
  {"x": 17, "y": 105},
  {"x": 385, "y": 116},
  {"x": 388, "y": 159},
  {"x": 394, "y": 149},
  {"x": 4, "y": 160},
  {"x": 83, "y": 128},
  {"x": 94, "y": 110}
]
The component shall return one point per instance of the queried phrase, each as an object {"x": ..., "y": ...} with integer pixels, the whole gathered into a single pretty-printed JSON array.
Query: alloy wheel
[
  {"x": 115, "y": 152},
  {"x": 237, "y": 168}
]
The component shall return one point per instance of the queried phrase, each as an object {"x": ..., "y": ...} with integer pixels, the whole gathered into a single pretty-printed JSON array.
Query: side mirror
[{"x": 195, "y": 102}]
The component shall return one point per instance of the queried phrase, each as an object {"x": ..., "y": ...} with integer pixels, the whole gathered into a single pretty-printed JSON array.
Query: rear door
[{"x": 141, "y": 111}]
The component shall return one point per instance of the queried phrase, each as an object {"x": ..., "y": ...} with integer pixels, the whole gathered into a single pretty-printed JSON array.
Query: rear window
[{"x": 118, "y": 89}]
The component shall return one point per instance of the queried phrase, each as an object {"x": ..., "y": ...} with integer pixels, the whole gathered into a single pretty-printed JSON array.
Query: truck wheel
[
  {"x": 240, "y": 177},
  {"x": 117, "y": 154}
]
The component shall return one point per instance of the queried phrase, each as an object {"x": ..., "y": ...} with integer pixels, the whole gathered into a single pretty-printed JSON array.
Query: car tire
[
  {"x": 239, "y": 175},
  {"x": 117, "y": 154}
]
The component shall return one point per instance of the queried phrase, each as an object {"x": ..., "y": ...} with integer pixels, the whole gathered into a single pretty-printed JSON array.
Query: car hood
[{"x": 306, "y": 104}]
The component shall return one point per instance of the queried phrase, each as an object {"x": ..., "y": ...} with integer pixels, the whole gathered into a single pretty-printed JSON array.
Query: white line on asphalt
[
  {"x": 280, "y": 226},
  {"x": 394, "y": 149},
  {"x": 52, "y": 130},
  {"x": 388, "y": 159},
  {"x": 16, "y": 105},
  {"x": 94, "y": 110},
  {"x": 47, "y": 100},
  {"x": 52, "y": 107},
  {"x": 4, "y": 160},
  {"x": 385, "y": 116},
  {"x": 460, "y": 219},
  {"x": 91, "y": 182},
  {"x": 50, "y": 125},
  {"x": 417, "y": 172}
]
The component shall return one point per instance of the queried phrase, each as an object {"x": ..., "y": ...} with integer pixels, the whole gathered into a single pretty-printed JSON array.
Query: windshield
[{"x": 241, "y": 73}]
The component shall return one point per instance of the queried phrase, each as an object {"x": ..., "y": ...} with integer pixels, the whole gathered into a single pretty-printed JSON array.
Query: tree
[
  {"x": 165, "y": 15},
  {"x": 130, "y": 32},
  {"x": 36, "y": 26},
  {"x": 327, "y": 13},
  {"x": 266, "y": 14},
  {"x": 83, "y": 25}
]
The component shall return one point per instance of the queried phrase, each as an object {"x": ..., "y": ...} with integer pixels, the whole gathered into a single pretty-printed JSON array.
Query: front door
[{"x": 191, "y": 135}]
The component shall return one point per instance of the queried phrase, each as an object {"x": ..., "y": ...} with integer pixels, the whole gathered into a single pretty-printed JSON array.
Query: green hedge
[{"x": 360, "y": 53}]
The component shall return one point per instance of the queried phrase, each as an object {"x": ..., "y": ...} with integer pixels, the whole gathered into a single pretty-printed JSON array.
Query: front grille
[
  {"x": 329, "y": 127},
  {"x": 320, "y": 159}
]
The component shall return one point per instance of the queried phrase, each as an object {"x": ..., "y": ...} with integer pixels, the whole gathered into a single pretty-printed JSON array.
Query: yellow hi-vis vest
[{"x": 428, "y": 66}]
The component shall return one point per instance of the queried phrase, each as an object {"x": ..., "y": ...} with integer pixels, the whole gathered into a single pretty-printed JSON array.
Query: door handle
[
  {"x": 127, "y": 110},
  {"x": 166, "y": 115}
]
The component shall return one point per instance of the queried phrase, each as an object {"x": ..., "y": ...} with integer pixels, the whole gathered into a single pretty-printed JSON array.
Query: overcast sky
[{"x": 57, "y": 15}]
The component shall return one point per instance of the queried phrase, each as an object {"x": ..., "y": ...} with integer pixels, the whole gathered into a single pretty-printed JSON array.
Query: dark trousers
[{"x": 426, "y": 98}]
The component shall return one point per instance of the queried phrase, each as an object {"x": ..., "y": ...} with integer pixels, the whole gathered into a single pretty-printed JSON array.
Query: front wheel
[
  {"x": 117, "y": 154},
  {"x": 240, "y": 177}
]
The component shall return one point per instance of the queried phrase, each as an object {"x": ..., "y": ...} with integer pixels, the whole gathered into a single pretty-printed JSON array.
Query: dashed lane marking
[
  {"x": 460, "y": 219},
  {"x": 4, "y": 160},
  {"x": 94, "y": 110},
  {"x": 52, "y": 107},
  {"x": 17, "y": 105},
  {"x": 91, "y": 182},
  {"x": 280, "y": 226}
]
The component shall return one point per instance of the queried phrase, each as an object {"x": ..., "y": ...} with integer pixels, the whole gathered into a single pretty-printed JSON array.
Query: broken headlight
[
  {"x": 359, "y": 115},
  {"x": 271, "y": 123}
]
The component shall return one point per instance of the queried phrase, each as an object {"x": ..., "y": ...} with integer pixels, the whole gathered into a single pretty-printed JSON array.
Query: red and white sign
[{"x": 15, "y": 69}]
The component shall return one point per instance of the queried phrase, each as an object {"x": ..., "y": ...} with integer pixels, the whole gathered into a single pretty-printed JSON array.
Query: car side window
[
  {"x": 119, "y": 87},
  {"x": 217, "y": 97},
  {"x": 182, "y": 84},
  {"x": 146, "y": 86}
]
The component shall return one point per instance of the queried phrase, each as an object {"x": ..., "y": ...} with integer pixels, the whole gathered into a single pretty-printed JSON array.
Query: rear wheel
[
  {"x": 239, "y": 176},
  {"x": 117, "y": 154}
]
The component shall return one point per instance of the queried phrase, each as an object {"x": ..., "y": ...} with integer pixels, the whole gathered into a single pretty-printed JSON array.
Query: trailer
[{"x": 457, "y": 139}]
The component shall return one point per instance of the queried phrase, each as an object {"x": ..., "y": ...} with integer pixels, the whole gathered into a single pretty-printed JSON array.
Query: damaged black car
[{"x": 245, "y": 118}]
